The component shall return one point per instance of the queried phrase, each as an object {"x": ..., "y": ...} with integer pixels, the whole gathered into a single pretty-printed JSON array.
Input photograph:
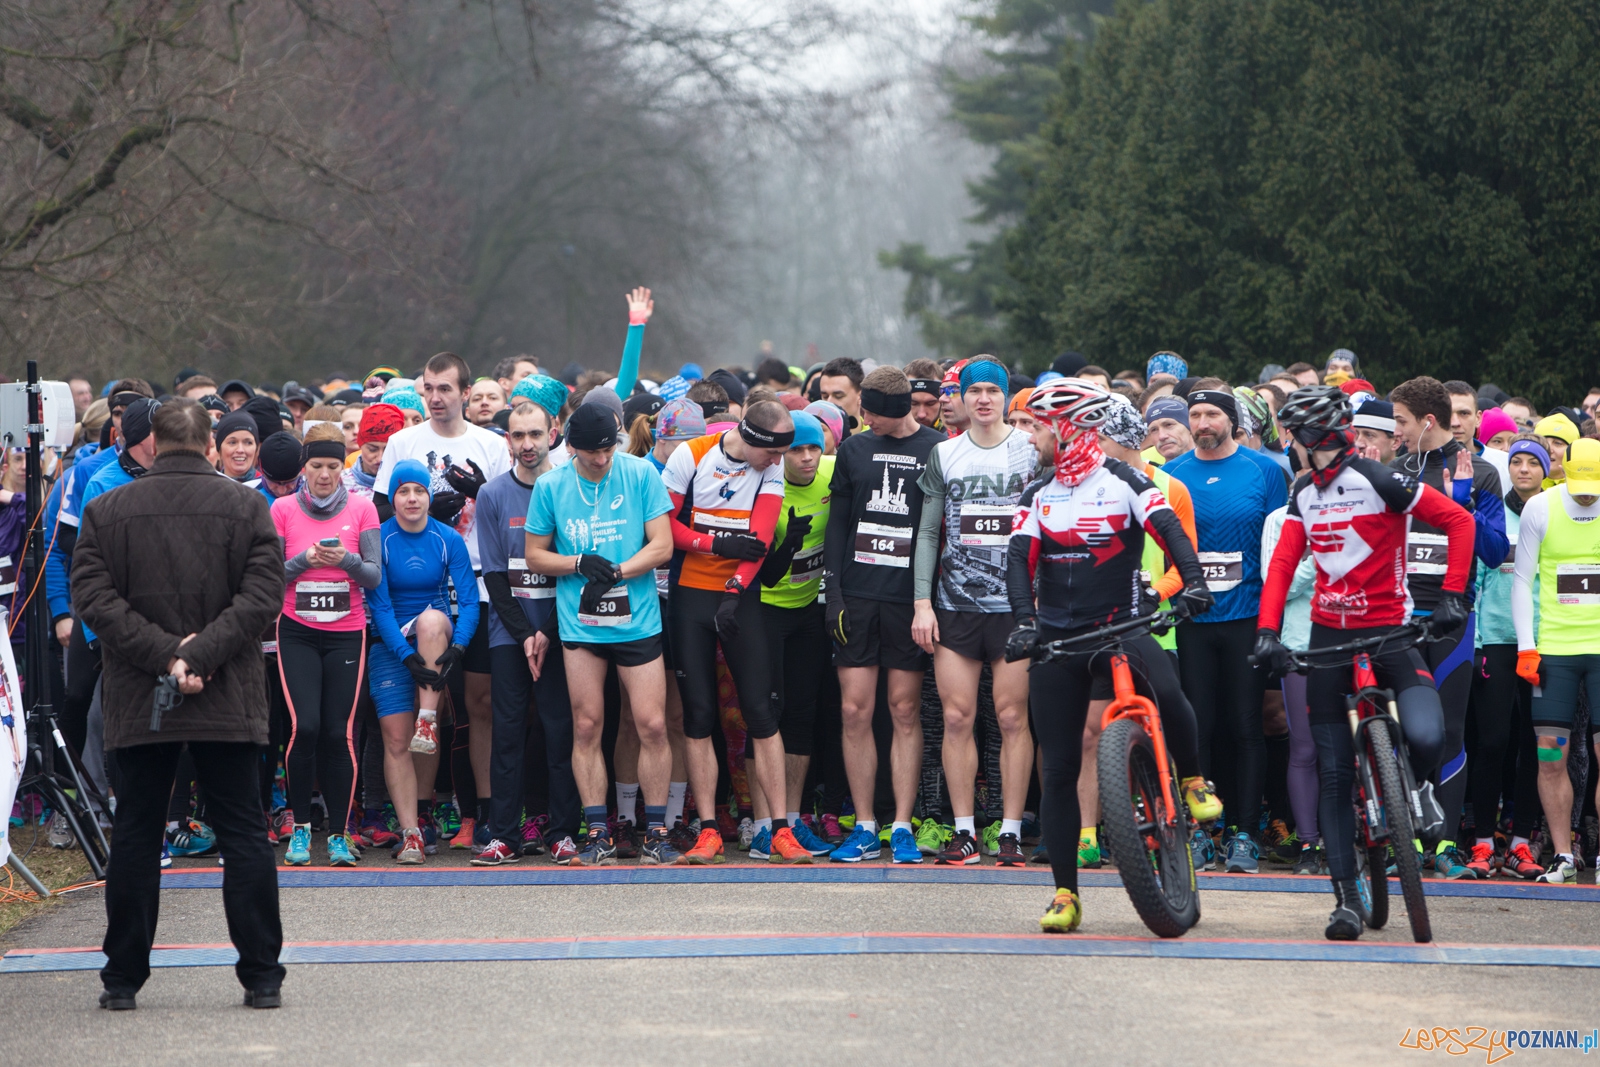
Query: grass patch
[{"x": 54, "y": 867}]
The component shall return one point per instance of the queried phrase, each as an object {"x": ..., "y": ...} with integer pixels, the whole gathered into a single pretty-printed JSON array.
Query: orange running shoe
[
  {"x": 785, "y": 849},
  {"x": 707, "y": 849},
  {"x": 463, "y": 838}
]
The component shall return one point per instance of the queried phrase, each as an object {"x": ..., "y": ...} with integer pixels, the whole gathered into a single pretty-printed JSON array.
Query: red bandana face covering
[
  {"x": 1321, "y": 476},
  {"x": 1078, "y": 452}
]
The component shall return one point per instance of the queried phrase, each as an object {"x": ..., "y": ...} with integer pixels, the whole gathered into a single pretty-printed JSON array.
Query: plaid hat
[{"x": 680, "y": 420}]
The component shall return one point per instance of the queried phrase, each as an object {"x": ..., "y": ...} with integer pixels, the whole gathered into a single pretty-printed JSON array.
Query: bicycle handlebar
[
  {"x": 1410, "y": 634},
  {"x": 1063, "y": 646}
]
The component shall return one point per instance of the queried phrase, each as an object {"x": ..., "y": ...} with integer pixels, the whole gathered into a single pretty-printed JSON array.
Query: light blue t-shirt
[{"x": 606, "y": 519}]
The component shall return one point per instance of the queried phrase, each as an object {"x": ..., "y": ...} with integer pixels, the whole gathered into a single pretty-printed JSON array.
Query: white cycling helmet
[{"x": 1073, "y": 400}]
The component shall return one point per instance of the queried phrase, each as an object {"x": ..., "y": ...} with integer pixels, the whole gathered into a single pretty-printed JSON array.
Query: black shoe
[
  {"x": 117, "y": 1001},
  {"x": 1345, "y": 923},
  {"x": 1010, "y": 852},
  {"x": 263, "y": 998},
  {"x": 626, "y": 837},
  {"x": 961, "y": 850},
  {"x": 680, "y": 837}
]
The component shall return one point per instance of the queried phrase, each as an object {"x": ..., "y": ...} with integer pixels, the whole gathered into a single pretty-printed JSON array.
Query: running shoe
[
  {"x": 1041, "y": 854},
  {"x": 430, "y": 835},
  {"x": 681, "y": 837},
  {"x": 1283, "y": 845},
  {"x": 463, "y": 836},
  {"x": 860, "y": 845},
  {"x": 299, "y": 851},
  {"x": 60, "y": 833},
  {"x": 990, "y": 837},
  {"x": 1089, "y": 857},
  {"x": 809, "y": 840},
  {"x": 1561, "y": 871},
  {"x": 272, "y": 833},
  {"x": 1447, "y": 863},
  {"x": 319, "y": 813},
  {"x": 447, "y": 816},
  {"x": 1243, "y": 857},
  {"x": 1481, "y": 864},
  {"x": 1202, "y": 849},
  {"x": 932, "y": 836},
  {"x": 961, "y": 851},
  {"x": 1308, "y": 861},
  {"x": 166, "y": 857},
  {"x": 1201, "y": 796},
  {"x": 283, "y": 823},
  {"x": 564, "y": 851},
  {"x": 761, "y": 844},
  {"x": 903, "y": 847},
  {"x": 378, "y": 828},
  {"x": 597, "y": 851},
  {"x": 1010, "y": 854},
  {"x": 783, "y": 848},
  {"x": 412, "y": 849},
  {"x": 497, "y": 853},
  {"x": 339, "y": 854},
  {"x": 833, "y": 830},
  {"x": 1064, "y": 913},
  {"x": 1031, "y": 833},
  {"x": 657, "y": 849},
  {"x": 727, "y": 825},
  {"x": 747, "y": 833},
  {"x": 707, "y": 849},
  {"x": 425, "y": 740},
  {"x": 533, "y": 835},
  {"x": 280, "y": 799},
  {"x": 193, "y": 838},
  {"x": 626, "y": 837}
]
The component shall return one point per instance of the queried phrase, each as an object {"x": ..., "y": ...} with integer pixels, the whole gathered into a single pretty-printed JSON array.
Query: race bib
[
  {"x": 807, "y": 565},
  {"x": 269, "y": 639},
  {"x": 322, "y": 601},
  {"x": 1222, "y": 570},
  {"x": 8, "y": 576},
  {"x": 883, "y": 546},
  {"x": 712, "y": 523},
  {"x": 985, "y": 525},
  {"x": 1427, "y": 553},
  {"x": 526, "y": 585},
  {"x": 663, "y": 581},
  {"x": 614, "y": 609},
  {"x": 1578, "y": 584},
  {"x": 1510, "y": 563}
]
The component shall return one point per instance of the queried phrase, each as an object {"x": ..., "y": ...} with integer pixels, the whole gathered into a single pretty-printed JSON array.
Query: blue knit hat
[
  {"x": 410, "y": 470},
  {"x": 807, "y": 429},
  {"x": 1166, "y": 363},
  {"x": 542, "y": 390}
]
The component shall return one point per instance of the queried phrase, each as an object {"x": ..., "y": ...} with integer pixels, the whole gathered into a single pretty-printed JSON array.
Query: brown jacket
[{"x": 181, "y": 550}]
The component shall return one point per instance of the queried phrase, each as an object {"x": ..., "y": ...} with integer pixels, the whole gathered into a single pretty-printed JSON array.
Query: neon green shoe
[
  {"x": 932, "y": 836},
  {"x": 847, "y": 823},
  {"x": 1088, "y": 856},
  {"x": 1201, "y": 796},
  {"x": 989, "y": 837},
  {"x": 1064, "y": 913}
]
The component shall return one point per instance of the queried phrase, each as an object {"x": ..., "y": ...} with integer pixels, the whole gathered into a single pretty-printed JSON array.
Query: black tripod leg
[
  {"x": 83, "y": 790},
  {"x": 71, "y": 809}
]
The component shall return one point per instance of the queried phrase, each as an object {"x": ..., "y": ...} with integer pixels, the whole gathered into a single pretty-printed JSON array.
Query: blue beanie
[
  {"x": 691, "y": 372},
  {"x": 984, "y": 370},
  {"x": 807, "y": 429},
  {"x": 406, "y": 398},
  {"x": 542, "y": 390},
  {"x": 410, "y": 470}
]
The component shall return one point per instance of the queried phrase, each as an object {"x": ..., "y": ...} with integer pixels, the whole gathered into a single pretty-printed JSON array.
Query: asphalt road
[{"x": 965, "y": 1009}]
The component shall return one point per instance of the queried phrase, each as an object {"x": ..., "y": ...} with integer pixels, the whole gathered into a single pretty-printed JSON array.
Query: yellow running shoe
[
  {"x": 1064, "y": 913},
  {"x": 1201, "y": 796}
]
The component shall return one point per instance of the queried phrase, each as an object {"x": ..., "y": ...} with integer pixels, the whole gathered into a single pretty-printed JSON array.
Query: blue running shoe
[
  {"x": 299, "y": 852},
  {"x": 166, "y": 856},
  {"x": 338, "y": 851},
  {"x": 810, "y": 841},
  {"x": 1202, "y": 850},
  {"x": 191, "y": 838},
  {"x": 903, "y": 846},
  {"x": 1242, "y": 855},
  {"x": 761, "y": 844},
  {"x": 860, "y": 845}
]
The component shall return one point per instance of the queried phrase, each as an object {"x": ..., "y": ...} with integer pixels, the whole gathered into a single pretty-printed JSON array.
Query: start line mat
[
  {"x": 22, "y": 961},
  {"x": 550, "y": 875}
]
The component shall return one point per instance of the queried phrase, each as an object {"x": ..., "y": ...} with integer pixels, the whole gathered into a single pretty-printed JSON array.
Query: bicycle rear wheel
[
  {"x": 1153, "y": 857},
  {"x": 1397, "y": 813}
]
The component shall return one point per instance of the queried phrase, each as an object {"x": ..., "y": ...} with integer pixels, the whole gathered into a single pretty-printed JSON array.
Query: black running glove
[
  {"x": 598, "y": 569},
  {"x": 778, "y": 561},
  {"x": 446, "y": 507},
  {"x": 1192, "y": 600},
  {"x": 1024, "y": 639},
  {"x": 421, "y": 673},
  {"x": 449, "y": 661},
  {"x": 466, "y": 482},
  {"x": 738, "y": 546},
  {"x": 1270, "y": 654},
  {"x": 837, "y": 618},
  {"x": 1450, "y": 614},
  {"x": 728, "y": 616},
  {"x": 594, "y": 591}
]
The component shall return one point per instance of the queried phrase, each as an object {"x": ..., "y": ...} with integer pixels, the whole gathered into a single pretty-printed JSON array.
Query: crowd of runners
[{"x": 789, "y": 613}]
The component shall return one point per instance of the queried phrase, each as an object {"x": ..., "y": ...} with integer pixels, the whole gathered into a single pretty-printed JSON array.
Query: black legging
[
  {"x": 322, "y": 672},
  {"x": 1059, "y": 700},
  {"x": 692, "y": 617},
  {"x": 1450, "y": 660},
  {"x": 1226, "y": 693},
  {"x": 797, "y": 654},
  {"x": 1493, "y": 710}
]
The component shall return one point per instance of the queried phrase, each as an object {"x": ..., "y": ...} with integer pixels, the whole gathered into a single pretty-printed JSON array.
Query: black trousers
[
  {"x": 142, "y": 777},
  {"x": 1226, "y": 693},
  {"x": 797, "y": 656},
  {"x": 513, "y": 687}
]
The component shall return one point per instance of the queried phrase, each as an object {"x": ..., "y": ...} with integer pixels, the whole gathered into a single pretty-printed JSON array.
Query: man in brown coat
[{"x": 178, "y": 573}]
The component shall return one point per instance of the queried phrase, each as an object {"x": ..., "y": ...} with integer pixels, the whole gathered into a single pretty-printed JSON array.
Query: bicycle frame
[
  {"x": 1128, "y": 704},
  {"x": 1366, "y": 704}
]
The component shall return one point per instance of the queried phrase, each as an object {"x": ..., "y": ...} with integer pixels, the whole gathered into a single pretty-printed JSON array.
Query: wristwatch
[{"x": 734, "y": 585}]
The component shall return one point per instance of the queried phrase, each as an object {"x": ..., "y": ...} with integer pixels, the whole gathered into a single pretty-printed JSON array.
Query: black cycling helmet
[{"x": 1315, "y": 413}]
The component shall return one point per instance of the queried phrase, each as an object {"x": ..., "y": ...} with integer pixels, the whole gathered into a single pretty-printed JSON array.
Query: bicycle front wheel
[
  {"x": 1153, "y": 857},
  {"x": 1397, "y": 813},
  {"x": 1372, "y": 883}
]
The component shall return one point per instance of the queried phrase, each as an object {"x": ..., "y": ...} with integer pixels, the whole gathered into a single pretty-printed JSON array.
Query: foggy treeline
[{"x": 281, "y": 188}]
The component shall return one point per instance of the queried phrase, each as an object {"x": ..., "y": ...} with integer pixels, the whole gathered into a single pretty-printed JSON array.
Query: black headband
[
  {"x": 1216, "y": 398},
  {"x": 759, "y": 438},
  {"x": 925, "y": 385},
  {"x": 321, "y": 450},
  {"x": 713, "y": 407},
  {"x": 887, "y": 405},
  {"x": 124, "y": 398}
]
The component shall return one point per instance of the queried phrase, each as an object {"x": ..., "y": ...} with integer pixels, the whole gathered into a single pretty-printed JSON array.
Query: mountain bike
[
  {"x": 1387, "y": 806},
  {"x": 1141, "y": 801}
]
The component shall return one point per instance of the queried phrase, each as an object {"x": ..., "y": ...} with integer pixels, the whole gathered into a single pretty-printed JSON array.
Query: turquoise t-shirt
[{"x": 606, "y": 519}]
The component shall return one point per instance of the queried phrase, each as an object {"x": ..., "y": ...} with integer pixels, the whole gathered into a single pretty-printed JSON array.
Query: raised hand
[{"x": 639, "y": 306}]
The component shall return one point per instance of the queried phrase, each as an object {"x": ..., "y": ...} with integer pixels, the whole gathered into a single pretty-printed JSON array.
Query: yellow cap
[
  {"x": 1557, "y": 425},
  {"x": 1583, "y": 467}
]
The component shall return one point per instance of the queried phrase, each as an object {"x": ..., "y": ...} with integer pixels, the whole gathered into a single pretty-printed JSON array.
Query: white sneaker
[{"x": 1560, "y": 872}]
